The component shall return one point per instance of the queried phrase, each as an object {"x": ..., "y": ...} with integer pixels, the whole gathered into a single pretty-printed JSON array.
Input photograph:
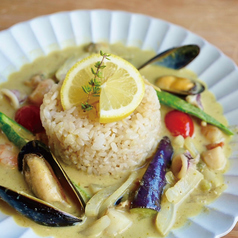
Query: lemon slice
[{"x": 122, "y": 87}]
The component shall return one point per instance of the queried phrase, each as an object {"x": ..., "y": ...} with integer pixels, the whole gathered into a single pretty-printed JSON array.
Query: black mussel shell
[
  {"x": 175, "y": 58},
  {"x": 39, "y": 148},
  {"x": 37, "y": 210}
]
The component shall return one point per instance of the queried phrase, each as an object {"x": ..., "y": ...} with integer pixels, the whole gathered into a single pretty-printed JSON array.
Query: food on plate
[
  {"x": 119, "y": 156},
  {"x": 149, "y": 193}
]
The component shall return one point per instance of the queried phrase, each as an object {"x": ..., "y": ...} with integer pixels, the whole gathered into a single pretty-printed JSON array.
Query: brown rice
[{"x": 102, "y": 148}]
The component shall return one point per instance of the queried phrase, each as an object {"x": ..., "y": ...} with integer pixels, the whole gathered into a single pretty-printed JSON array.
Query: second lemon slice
[{"x": 122, "y": 87}]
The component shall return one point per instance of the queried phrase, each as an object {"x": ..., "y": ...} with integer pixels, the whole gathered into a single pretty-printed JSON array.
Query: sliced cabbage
[
  {"x": 94, "y": 188},
  {"x": 166, "y": 217},
  {"x": 184, "y": 186},
  {"x": 94, "y": 204},
  {"x": 174, "y": 197},
  {"x": 107, "y": 197},
  {"x": 118, "y": 193},
  {"x": 97, "y": 227},
  {"x": 119, "y": 222}
]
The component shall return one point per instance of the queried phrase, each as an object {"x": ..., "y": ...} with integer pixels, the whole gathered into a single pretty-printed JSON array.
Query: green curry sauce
[{"x": 142, "y": 226}]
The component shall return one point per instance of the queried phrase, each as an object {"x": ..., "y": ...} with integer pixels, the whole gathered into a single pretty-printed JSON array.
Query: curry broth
[{"x": 142, "y": 226}]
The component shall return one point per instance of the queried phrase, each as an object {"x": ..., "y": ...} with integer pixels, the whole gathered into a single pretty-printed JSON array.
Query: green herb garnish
[{"x": 93, "y": 88}]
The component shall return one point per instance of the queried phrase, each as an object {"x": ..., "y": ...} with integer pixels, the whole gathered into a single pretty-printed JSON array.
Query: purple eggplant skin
[{"x": 151, "y": 186}]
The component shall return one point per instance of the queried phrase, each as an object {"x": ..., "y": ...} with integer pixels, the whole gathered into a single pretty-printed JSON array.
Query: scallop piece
[{"x": 215, "y": 158}]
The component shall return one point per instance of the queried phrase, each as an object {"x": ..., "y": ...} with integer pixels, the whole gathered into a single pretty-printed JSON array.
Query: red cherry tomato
[
  {"x": 179, "y": 123},
  {"x": 29, "y": 117}
]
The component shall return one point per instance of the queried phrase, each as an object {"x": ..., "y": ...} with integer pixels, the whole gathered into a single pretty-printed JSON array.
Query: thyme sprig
[{"x": 93, "y": 88}]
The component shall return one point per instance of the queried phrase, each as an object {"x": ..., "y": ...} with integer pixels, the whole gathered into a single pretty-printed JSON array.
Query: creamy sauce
[{"x": 142, "y": 227}]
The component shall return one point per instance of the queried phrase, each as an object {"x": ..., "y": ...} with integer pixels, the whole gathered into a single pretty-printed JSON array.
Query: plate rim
[{"x": 205, "y": 44}]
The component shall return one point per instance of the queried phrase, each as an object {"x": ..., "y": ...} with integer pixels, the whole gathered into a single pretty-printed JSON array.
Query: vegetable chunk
[
  {"x": 16, "y": 133},
  {"x": 151, "y": 186},
  {"x": 181, "y": 105}
]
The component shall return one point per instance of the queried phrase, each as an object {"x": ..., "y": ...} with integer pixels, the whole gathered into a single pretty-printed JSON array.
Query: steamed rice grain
[{"x": 102, "y": 148}]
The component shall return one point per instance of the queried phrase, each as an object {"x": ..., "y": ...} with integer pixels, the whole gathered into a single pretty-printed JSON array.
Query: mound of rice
[{"x": 102, "y": 148}]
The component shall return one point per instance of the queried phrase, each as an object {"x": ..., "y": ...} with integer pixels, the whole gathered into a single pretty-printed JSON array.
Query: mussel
[
  {"x": 59, "y": 205},
  {"x": 179, "y": 85},
  {"x": 175, "y": 58}
]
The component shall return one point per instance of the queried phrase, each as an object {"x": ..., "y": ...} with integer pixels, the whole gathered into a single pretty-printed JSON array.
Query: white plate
[{"x": 26, "y": 41}]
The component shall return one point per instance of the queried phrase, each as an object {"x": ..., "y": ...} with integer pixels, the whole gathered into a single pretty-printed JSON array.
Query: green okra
[{"x": 175, "y": 102}]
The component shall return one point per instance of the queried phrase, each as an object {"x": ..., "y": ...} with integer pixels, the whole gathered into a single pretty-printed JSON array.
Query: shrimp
[{"x": 8, "y": 155}]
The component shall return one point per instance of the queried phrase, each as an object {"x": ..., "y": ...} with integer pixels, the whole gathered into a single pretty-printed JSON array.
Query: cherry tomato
[
  {"x": 179, "y": 123},
  {"x": 29, "y": 117}
]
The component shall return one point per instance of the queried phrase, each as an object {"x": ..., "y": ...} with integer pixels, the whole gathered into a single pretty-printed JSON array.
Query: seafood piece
[
  {"x": 34, "y": 81},
  {"x": 40, "y": 168},
  {"x": 41, "y": 89},
  {"x": 36, "y": 209},
  {"x": 181, "y": 163},
  {"x": 195, "y": 100},
  {"x": 212, "y": 133},
  {"x": 175, "y": 58},
  {"x": 42, "y": 182},
  {"x": 214, "y": 145},
  {"x": 215, "y": 158},
  {"x": 38, "y": 148},
  {"x": 14, "y": 97},
  {"x": 8, "y": 155},
  {"x": 179, "y": 85}
]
